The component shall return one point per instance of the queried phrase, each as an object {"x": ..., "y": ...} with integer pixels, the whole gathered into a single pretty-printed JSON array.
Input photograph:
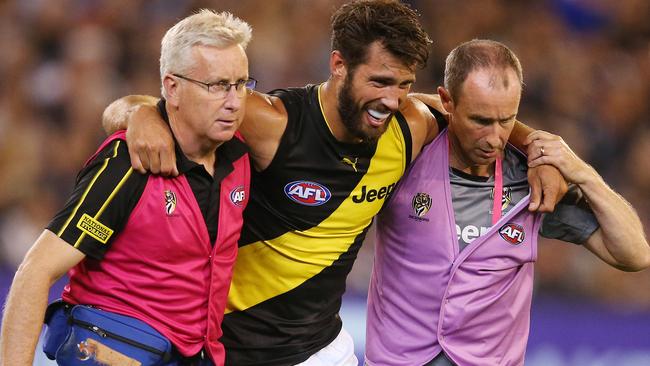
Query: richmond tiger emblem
[
  {"x": 170, "y": 202},
  {"x": 421, "y": 204}
]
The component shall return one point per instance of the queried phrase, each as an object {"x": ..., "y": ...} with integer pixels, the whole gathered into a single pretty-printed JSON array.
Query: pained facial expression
[
  {"x": 212, "y": 118},
  {"x": 484, "y": 115},
  {"x": 372, "y": 92}
]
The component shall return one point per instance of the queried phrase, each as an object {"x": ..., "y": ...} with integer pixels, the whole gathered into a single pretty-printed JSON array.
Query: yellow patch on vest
[{"x": 94, "y": 228}]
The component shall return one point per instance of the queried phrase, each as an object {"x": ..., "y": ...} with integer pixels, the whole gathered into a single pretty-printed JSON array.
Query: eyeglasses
[{"x": 220, "y": 89}]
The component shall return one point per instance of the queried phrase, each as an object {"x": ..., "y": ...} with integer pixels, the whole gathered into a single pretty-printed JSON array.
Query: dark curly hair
[{"x": 358, "y": 24}]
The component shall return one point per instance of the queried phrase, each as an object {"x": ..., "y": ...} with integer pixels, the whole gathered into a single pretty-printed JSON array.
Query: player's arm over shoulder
[
  {"x": 263, "y": 126},
  {"x": 422, "y": 123}
]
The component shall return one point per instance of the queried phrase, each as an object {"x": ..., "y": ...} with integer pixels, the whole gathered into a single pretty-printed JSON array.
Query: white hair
[{"x": 206, "y": 28}]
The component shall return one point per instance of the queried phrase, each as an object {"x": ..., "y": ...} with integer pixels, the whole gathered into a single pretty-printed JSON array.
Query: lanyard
[{"x": 498, "y": 191}]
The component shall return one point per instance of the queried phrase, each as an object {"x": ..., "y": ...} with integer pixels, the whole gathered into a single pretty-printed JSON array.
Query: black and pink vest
[{"x": 162, "y": 267}]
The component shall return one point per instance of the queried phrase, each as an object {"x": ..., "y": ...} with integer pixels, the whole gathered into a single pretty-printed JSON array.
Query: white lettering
[
  {"x": 320, "y": 195},
  {"x": 470, "y": 232},
  {"x": 297, "y": 190},
  {"x": 309, "y": 192},
  {"x": 239, "y": 196}
]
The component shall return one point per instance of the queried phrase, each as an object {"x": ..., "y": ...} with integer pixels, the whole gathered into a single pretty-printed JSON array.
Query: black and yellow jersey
[{"x": 306, "y": 219}]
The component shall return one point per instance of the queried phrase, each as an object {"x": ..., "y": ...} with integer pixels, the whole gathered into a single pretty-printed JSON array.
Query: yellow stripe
[
  {"x": 92, "y": 182},
  {"x": 320, "y": 103},
  {"x": 108, "y": 200},
  {"x": 266, "y": 269}
]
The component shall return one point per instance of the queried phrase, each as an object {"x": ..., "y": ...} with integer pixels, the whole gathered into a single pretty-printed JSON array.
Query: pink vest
[
  {"x": 425, "y": 297},
  {"x": 162, "y": 268}
]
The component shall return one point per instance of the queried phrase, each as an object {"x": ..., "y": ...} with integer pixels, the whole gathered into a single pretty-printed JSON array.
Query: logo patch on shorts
[
  {"x": 238, "y": 196},
  {"x": 307, "y": 193},
  {"x": 512, "y": 233},
  {"x": 94, "y": 228},
  {"x": 170, "y": 202}
]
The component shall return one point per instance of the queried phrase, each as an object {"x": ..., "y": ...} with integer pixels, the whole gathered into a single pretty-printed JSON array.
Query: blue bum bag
[{"x": 81, "y": 335}]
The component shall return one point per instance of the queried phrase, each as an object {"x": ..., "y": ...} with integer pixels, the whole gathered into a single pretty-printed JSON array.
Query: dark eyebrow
[
  {"x": 389, "y": 80},
  {"x": 383, "y": 79}
]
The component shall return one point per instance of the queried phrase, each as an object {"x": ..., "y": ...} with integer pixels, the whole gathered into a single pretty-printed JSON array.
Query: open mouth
[{"x": 376, "y": 118}]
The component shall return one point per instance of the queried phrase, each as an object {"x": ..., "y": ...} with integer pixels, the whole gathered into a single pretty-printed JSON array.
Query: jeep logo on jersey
[
  {"x": 307, "y": 193},
  {"x": 373, "y": 194},
  {"x": 421, "y": 204},
  {"x": 238, "y": 195},
  {"x": 512, "y": 233}
]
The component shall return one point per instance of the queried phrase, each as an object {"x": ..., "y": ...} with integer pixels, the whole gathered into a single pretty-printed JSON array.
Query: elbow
[
  {"x": 31, "y": 271},
  {"x": 639, "y": 263}
]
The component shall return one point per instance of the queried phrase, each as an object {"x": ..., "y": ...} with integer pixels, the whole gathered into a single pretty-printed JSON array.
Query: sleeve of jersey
[
  {"x": 572, "y": 221},
  {"x": 105, "y": 193}
]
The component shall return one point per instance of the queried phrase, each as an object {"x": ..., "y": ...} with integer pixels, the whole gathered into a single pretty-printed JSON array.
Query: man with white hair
[{"x": 149, "y": 256}]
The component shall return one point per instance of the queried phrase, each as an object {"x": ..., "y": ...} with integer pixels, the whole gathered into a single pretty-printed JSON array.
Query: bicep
[{"x": 263, "y": 126}]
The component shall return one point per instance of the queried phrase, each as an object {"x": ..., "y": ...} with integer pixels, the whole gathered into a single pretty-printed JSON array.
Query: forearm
[
  {"x": 117, "y": 115},
  {"x": 23, "y": 319},
  {"x": 519, "y": 135},
  {"x": 621, "y": 232}
]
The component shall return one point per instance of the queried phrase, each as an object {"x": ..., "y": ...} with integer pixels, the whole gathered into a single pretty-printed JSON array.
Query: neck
[
  {"x": 459, "y": 160},
  {"x": 196, "y": 148},
  {"x": 329, "y": 99}
]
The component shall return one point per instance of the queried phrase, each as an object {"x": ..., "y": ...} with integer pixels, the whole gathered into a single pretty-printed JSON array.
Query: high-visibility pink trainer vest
[{"x": 162, "y": 269}]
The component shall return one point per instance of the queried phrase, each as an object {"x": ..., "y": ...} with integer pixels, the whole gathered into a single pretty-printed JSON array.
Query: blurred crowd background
[{"x": 586, "y": 69}]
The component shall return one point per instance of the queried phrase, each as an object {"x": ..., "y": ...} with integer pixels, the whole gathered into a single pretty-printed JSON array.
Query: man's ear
[
  {"x": 445, "y": 98},
  {"x": 170, "y": 83},
  {"x": 338, "y": 66}
]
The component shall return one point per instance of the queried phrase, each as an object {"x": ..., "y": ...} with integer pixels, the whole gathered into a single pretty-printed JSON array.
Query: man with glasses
[{"x": 157, "y": 250}]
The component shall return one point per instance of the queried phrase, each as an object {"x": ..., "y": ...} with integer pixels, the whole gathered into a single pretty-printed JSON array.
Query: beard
[{"x": 352, "y": 115}]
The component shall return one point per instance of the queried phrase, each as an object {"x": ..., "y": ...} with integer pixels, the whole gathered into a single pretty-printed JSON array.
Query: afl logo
[
  {"x": 307, "y": 193},
  {"x": 421, "y": 204},
  {"x": 512, "y": 233},
  {"x": 238, "y": 196}
]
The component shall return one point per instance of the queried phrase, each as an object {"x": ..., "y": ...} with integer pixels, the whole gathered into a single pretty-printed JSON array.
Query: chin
[
  {"x": 222, "y": 136},
  {"x": 372, "y": 134}
]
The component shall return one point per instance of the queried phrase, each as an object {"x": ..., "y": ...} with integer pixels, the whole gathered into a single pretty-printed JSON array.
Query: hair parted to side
[
  {"x": 205, "y": 27},
  {"x": 359, "y": 23},
  {"x": 474, "y": 55}
]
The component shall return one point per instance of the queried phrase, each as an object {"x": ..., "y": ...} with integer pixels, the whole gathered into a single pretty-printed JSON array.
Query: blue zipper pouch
[{"x": 84, "y": 335}]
